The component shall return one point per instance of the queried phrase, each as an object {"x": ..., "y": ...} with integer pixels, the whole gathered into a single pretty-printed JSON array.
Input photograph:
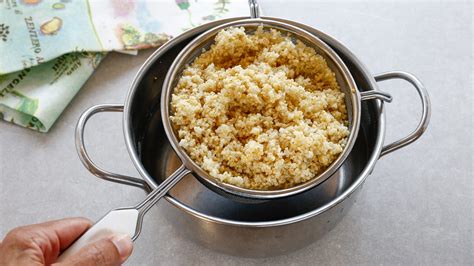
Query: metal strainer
[{"x": 352, "y": 99}]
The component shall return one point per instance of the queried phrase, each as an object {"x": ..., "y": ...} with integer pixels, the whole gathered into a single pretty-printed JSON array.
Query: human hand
[{"x": 41, "y": 244}]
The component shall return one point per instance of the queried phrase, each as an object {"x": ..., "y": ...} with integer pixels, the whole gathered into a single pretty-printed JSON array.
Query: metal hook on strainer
[{"x": 129, "y": 220}]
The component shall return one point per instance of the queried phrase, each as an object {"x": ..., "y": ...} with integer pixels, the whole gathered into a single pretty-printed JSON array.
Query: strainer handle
[
  {"x": 84, "y": 156},
  {"x": 425, "y": 106},
  {"x": 254, "y": 9}
]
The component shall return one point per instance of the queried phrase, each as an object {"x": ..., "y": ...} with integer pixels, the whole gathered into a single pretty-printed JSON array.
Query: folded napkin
[{"x": 48, "y": 49}]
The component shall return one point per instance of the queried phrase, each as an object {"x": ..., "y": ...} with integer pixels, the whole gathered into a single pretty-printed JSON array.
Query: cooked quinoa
[{"x": 259, "y": 111}]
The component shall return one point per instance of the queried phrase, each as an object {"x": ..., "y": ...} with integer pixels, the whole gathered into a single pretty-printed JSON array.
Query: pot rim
[{"x": 126, "y": 125}]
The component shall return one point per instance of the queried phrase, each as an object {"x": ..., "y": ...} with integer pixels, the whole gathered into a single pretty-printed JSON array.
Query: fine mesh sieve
[{"x": 343, "y": 77}]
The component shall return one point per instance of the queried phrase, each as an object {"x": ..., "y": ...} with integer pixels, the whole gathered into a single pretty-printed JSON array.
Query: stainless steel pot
[{"x": 264, "y": 229}]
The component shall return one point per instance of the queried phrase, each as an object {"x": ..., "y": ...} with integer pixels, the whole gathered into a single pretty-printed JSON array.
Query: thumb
[{"x": 109, "y": 251}]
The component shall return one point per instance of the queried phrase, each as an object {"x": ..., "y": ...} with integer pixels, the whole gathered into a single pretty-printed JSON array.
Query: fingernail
[{"x": 124, "y": 245}]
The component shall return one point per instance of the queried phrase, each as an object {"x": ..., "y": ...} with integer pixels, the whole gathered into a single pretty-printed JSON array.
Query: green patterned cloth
[{"x": 48, "y": 49}]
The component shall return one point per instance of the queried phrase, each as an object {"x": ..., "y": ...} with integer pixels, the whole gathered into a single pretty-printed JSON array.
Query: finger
[
  {"x": 43, "y": 242},
  {"x": 109, "y": 251},
  {"x": 65, "y": 230}
]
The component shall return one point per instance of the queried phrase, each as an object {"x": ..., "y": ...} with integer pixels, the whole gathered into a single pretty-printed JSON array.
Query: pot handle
[
  {"x": 86, "y": 160},
  {"x": 425, "y": 106}
]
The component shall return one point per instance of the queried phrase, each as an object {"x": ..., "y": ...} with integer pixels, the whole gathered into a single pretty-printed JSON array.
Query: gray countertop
[{"x": 415, "y": 208}]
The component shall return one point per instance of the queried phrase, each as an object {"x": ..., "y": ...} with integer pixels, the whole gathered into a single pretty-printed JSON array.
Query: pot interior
[{"x": 159, "y": 160}]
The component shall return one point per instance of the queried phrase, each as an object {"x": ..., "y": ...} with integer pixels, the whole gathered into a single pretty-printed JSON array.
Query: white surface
[{"x": 416, "y": 207}]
